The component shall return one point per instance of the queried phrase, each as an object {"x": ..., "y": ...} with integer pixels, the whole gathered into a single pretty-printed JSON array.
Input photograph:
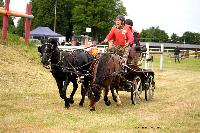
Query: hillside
[
  {"x": 29, "y": 100},
  {"x": 19, "y": 70}
]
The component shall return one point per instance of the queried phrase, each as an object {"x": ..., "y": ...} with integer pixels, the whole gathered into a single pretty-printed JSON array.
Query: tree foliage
[
  {"x": 11, "y": 26},
  {"x": 20, "y": 26},
  {"x": 190, "y": 37},
  {"x": 154, "y": 34},
  {"x": 74, "y": 16},
  {"x": 174, "y": 38},
  {"x": 77, "y": 15},
  {"x": 96, "y": 14},
  {"x": 44, "y": 15},
  {"x": 1, "y": 16},
  {"x": 187, "y": 38}
]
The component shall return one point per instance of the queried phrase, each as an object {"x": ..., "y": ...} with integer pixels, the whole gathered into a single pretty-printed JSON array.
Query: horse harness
[{"x": 113, "y": 74}]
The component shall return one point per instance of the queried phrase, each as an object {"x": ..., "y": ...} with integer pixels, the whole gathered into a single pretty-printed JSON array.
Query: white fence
[{"x": 102, "y": 48}]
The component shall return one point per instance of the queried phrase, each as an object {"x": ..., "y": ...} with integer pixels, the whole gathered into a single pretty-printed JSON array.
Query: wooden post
[
  {"x": 147, "y": 56},
  {"x": 161, "y": 57},
  {"x": 86, "y": 42},
  {"x": 5, "y": 21},
  {"x": 28, "y": 23},
  {"x": 6, "y": 12}
]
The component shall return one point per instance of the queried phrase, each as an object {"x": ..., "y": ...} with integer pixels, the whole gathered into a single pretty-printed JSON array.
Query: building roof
[
  {"x": 44, "y": 31},
  {"x": 172, "y": 45}
]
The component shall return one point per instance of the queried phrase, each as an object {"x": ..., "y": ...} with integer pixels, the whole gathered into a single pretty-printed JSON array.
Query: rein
[
  {"x": 57, "y": 64},
  {"x": 71, "y": 69},
  {"x": 84, "y": 65}
]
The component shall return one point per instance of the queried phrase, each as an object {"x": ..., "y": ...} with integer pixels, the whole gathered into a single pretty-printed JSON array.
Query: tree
[
  {"x": 76, "y": 15},
  {"x": 1, "y": 16},
  {"x": 190, "y": 38},
  {"x": 154, "y": 35},
  {"x": 11, "y": 26},
  {"x": 44, "y": 15},
  {"x": 20, "y": 26},
  {"x": 99, "y": 15},
  {"x": 174, "y": 38},
  {"x": 197, "y": 38}
]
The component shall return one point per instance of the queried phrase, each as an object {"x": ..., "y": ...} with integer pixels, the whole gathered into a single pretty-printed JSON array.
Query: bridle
[{"x": 48, "y": 53}]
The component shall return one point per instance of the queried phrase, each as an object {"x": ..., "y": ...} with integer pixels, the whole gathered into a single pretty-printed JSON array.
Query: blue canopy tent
[{"x": 44, "y": 32}]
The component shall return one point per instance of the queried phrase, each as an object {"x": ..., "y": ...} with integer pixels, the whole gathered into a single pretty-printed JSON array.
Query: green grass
[
  {"x": 190, "y": 63},
  {"x": 29, "y": 99},
  {"x": 29, "y": 50}
]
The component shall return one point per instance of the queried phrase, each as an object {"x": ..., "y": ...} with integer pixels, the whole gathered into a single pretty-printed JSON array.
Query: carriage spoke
[
  {"x": 149, "y": 89},
  {"x": 136, "y": 90}
]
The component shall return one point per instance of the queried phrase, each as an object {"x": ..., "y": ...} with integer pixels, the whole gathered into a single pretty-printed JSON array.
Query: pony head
[{"x": 46, "y": 51}]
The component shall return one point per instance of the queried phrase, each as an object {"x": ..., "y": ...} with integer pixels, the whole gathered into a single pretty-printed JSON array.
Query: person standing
[{"x": 176, "y": 53}]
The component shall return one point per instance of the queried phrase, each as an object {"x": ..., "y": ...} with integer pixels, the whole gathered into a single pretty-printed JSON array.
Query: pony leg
[
  {"x": 106, "y": 100},
  {"x": 66, "y": 83},
  {"x": 117, "y": 89},
  {"x": 92, "y": 105},
  {"x": 75, "y": 86},
  {"x": 116, "y": 97},
  {"x": 84, "y": 90},
  {"x": 118, "y": 100},
  {"x": 60, "y": 87},
  {"x": 113, "y": 94}
]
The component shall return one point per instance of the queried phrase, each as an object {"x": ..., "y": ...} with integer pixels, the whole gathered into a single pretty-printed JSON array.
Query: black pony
[
  {"x": 106, "y": 72},
  {"x": 66, "y": 67}
]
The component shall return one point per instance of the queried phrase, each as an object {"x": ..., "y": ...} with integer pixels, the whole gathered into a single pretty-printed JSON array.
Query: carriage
[
  {"x": 67, "y": 66},
  {"x": 136, "y": 80},
  {"x": 139, "y": 80}
]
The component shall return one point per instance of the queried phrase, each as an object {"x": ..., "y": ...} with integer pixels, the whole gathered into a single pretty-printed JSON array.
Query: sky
[{"x": 172, "y": 16}]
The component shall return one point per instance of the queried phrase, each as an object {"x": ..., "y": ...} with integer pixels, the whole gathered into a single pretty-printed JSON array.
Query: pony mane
[
  {"x": 67, "y": 59},
  {"x": 102, "y": 68}
]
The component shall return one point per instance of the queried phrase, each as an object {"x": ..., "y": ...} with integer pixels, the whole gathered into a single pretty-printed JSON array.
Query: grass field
[{"x": 29, "y": 100}]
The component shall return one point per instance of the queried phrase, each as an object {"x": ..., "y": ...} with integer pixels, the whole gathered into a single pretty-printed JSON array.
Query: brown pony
[{"x": 105, "y": 72}]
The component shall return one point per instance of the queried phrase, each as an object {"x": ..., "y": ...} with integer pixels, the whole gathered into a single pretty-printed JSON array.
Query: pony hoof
[
  {"x": 119, "y": 103},
  {"x": 80, "y": 105},
  {"x": 71, "y": 101},
  {"x": 115, "y": 100},
  {"x": 92, "y": 109},
  {"x": 108, "y": 103},
  {"x": 67, "y": 105}
]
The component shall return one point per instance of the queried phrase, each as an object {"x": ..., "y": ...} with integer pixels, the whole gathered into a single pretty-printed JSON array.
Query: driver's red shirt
[{"x": 120, "y": 36}]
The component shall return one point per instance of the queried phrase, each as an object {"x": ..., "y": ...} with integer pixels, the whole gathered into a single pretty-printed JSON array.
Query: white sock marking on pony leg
[{"x": 118, "y": 100}]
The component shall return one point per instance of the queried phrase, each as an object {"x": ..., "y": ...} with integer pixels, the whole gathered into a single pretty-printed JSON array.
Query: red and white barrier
[{"x": 6, "y": 12}]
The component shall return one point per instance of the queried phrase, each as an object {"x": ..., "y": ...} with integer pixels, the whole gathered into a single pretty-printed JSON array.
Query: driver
[{"x": 122, "y": 38}]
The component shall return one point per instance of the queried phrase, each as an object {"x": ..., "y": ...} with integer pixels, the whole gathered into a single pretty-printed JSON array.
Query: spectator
[{"x": 176, "y": 54}]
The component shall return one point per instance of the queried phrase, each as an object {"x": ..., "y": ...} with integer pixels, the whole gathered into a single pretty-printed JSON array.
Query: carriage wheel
[
  {"x": 136, "y": 90},
  {"x": 149, "y": 89}
]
